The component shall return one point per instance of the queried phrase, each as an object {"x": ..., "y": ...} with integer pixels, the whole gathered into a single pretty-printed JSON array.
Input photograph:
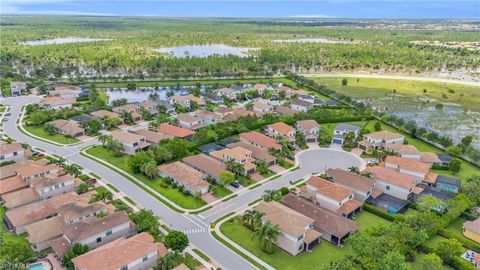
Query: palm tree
[
  {"x": 267, "y": 234},
  {"x": 26, "y": 146},
  {"x": 73, "y": 169},
  {"x": 349, "y": 138},
  {"x": 102, "y": 195},
  {"x": 271, "y": 195},
  {"x": 149, "y": 169},
  {"x": 234, "y": 167},
  {"x": 168, "y": 262},
  {"x": 354, "y": 169},
  {"x": 104, "y": 138},
  {"x": 115, "y": 146},
  {"x": 49, "y": 128}
]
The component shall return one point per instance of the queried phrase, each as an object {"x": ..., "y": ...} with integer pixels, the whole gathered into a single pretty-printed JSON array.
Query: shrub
[
  {"x": 186, "y": 192},
  {"x": 468, "y": 216},
  {"x": 284, "y": 191},
  {"x": 372, "y": 209},
  {"x": 465, "y": 242},
  {"x": 5, "y": 163}
]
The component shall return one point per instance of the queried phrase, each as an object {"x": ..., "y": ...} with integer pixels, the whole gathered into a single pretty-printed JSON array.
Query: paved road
[{"x": 196, "y": 226}]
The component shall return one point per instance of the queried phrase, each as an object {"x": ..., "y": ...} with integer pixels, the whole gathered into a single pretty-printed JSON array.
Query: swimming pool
[{"x": 40, "y": 266}]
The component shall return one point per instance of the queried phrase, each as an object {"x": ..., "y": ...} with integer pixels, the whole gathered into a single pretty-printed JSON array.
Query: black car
[{"x": 235, "y": 184}]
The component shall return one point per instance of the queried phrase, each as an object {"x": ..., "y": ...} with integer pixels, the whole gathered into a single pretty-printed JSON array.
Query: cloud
[{"x": 22, "y": 7}]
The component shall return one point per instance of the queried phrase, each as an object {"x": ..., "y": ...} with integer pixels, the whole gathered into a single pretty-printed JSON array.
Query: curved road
[{"x": 196, "y": 226}]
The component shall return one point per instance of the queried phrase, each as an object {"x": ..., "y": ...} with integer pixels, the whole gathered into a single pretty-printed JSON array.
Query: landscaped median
[{"x": 40, "y": 132}]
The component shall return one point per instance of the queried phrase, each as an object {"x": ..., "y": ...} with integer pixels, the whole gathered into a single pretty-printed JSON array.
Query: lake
[
  {"x": 141, "y": 95},
  {"x": 203, "y": 51},
  {"x": 313, "y": 40},
  {"x": 62, "y": 41}
]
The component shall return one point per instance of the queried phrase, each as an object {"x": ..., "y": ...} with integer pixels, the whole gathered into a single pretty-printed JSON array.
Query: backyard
[
  {"x": 40, "y": 132},
  {"x": 322, "y": 254},
  {"x": 8, "y": 237},
  {"x": 157, "y": 183}
]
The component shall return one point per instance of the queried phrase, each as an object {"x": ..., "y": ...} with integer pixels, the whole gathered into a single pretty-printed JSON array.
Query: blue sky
[{"x": 468, "y": 9}]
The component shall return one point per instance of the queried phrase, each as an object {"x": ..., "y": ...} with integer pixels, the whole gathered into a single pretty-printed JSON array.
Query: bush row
[{"x": 465, "y": 242}]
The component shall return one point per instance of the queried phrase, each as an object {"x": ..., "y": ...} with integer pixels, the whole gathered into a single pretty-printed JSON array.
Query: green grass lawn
[
  {"x": 367, "y": 220},
  {"x": 40, "y": 132},
  {"x": 2, "y": 108},
  {"x": 268, "y": 174},
  {"x": 17, "y": 240},
  {"x": 457, "y": 227},
  {"x": 219, "y": 191},
  {"x": 416, "y": 264},
  {"x": 468, "y": 96},
  {"x": 101, "y": 189},
  {"x": 171, "y": 193}
]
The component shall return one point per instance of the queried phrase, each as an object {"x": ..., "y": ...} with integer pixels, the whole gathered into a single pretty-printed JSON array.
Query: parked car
[
  {"x": 235, "y": 184},
  {"x": 91, "y": 181}
]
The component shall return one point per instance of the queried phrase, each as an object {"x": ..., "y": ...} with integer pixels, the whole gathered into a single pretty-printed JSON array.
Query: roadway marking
[
  {"x": 196, "y": 224},
  {"x": 201, "y": 221},
  {"x": 193, "y": 231}
]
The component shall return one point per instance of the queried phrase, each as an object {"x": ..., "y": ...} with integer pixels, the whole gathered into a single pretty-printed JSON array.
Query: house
[
  {"x": 188, "y": 121},
  {"x": 257, "y": 152},
  {"x": 57, "y": 103},
  {"x": 20, "y": 197},
  {"x": 393, "y": 183},
  {"x": 11, "y": 184},
  {"x": 152, "y": 137},
  {"x": 104, "y": 113},
  {"x": 18, "y": 88},
  {"x": 377, "y": 140},
  {"x": 410, "y": 152},
  {"x": 67, "y": 128},
  {"x": 13, "y": 151},
  {"x": 186, "y": 101},
  {"x": 239, "y": 155},
  {"x": 227, "y": 92},
  {"x": 93, "y": 232},
  {"x": 132, "y": 143},
  {"x": 184, "y": 175},
  {"x": 310, "y": 130},
  {"x": 341, "y": 130},
  {"x": 81, "y": 118},
  {"x": 261, "y": 108},
  {"x": 208, "y": 118},
  {"x": 471, "y": 230},
  {"x": 132, "y": 109},
  {"x": 174, "y": 131},
  {"x": 362, "y": 186},
  {"x": 42, "y": 233},
  {"x": 257, "y": 139},
  {"x": 285, "y": 110},
  {"x": 300, "y": 105},
  {"x": 223, "y": 111},
  {"x": 281, "y": 130},
  {"x": 260, "y": 88},
  {"x": 137, "y": 252},
  {"x": 297, "y": 232},
  {"x": 66, "y": 91},
  {"x": 77, "y": 210},
  {"x": 210, "y": 166},
  {"x": 414, "y": 168},
  {"x": 306, "y": 97},
  {"x": 282, "y": 91},
  {"x": 212, "y": 98},
  {"x": 445, "y": 158},
  {"x": 32, "y": 169},
  {"x": 331, "y": 196},
  {"x": 333, "y": 228},
  {"x": 150, "y": 106},
  {"x": 449, "y": 184}
]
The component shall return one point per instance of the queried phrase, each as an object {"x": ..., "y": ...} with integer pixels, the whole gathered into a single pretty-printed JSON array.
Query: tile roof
[
  {"x": 6, "y": 148},
  {"x": 174, "y": 131},
  {"x": 260, "y": 139},
  {"x": 45, "y": 229},
  {"x": 323, "y": 219},
  {"x": 259, "y": 86},
  {"x": 257, "y": 152},
  {"x": 392, "y": 177},
  {"x": 308, "y": 124},
  {"x": 75, "y": 209},
  {"x": 186, "y": 117},
  {"x": 473, "y": 226},
  {"x": 119, "y": 253},
  {"x": 285, "y": 110},
  {"x": 262, "y": 105},
  {"x": 407, "y": 164},
  {"x": 56, "y": 101},
  {"x": 288, "y": 220},
  {"x": 12, "y": 183},
  {"x": 206, "y": 164},
  {"x": 236, "y": 153},
  {"x": 329, "y": 189},
  {"x": 66, "y": 125},
  {"x": 20, "y": 197},
  {"x": 428, "y": 157},
  {"x": 51, "y": 179},
  {"x": 102, "y": 113},
  {"x": 152, "y": 136},
  {"x": 281, "y": 127},
  {"x": 402, "y": 148},
  {"x": 184, "y": 174},
  {"x": 350, "y": 206},
  {"x": 126, "y": 137},
  {"x": 351, "y": 180},
  {"x": 385, "y": 135}
]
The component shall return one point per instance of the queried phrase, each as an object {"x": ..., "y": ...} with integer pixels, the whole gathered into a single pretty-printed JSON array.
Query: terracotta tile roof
[
  {"x": 402, "y": 148},
  {"x": 12, "y": 183},
  {"x": 75, "y": 209},
  {"x": 350, "y": 206},
  {"x": 351, "y": 180},
  {"x": 51, "y": 179},
  {"x": 10, "y": 170},
  {"x": 257, "y": 152},
  {"x": 198, "y": 100},
  {"x": 308, "y": 124},
  {"x": 6, "y": 149},
  {"x": 237, "y": 153},
  {"x": 184, "y": 174},
  {"x": 127, "y": 108},
  {"x": 206, "y": 164},
  {"x": 428, "y": 157},
  {"x": 230, "y": 117},
  {"x": 67, "y": 126},
  {"x": 126, "y": 137},
  {"x": 311, "y": 236},
  {"x": 329, "y": 189},
  {"x": 187, "y": 118},
  {"x": 102, "y": 113},
  {"x": 206, "y": 115},
  {"x": 20, "y": 197},
  {"x": 242, "y": 112},
  {"x": 119, "y": 253},
  {"x": 224, "y": 110},
  {"x": 174, "y": 131},
  {"x": 385, "y": 135},
  {"x": 289, "y": 221},
  {"x": 152, "y": 136},
  {"x": 473, "y": 226},
  {"x": 262, "y": 106},
  {"x": 285, "y": 110},
  {"x": 281, "y": 127},
  {"x": 226, "y": 90},
  {"x": 324, "y": 220},
  {"x": 260, "y": 139},
  {"x": 45, "y": 229},
  {"x": 56, "y": 101},
  {"x": 417, "y": 190},
  {"x": 407, "y": 164},
  {"x": 376, "y": 193},
  {"x": 392, "y": 177},
  {"x": 431, "y": 177}
]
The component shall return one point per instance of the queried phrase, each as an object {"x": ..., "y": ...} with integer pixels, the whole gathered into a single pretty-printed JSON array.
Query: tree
[
  {"x": 454, "y": 150},
  {"x": 136, "y": 161},
  {"x": 76, "y": 250},
  {"x": 354, "y": 169},
  {"x": 176, "y": 241},
  {"x": 467, "y": 141},
  {"x": 149, "y": 169},
  {"x": 119, "y": 102},
  {"x": 271, "y": 195},
  {"x": 115, "y": 146},
  {"x": 249, "y": 105},
  {"x": 226, "y": 178},
  {"x": 146, "y": 115},
  {"x": 92, "y": 127},
  {"x": 252, "y": 219},
  {"x": 169, "y": 261},
  {"x": 349, "y": 138},
  {"x": 377, "y": 126},
  {"x": 13, "y": 253},
  {"x": 102, "y": 195},
  {"x": 84, "y": 187},
  {"x": 262, "y": 166},
  {"x": 153, "y": 96},
  {"x": 104, "y": 138},
  {"x": 234, "y": 167},
  {"x": 430, "y": 261},
  {"x": 448, "y": 249},
  {"x": 395, "y": 261},
  {"x": 267, "y": 234},
  {"x": 146, "y": 221},
  {"x": 455, "y": 165},
  {"x": 344, "y": 81},
  {"x": 73, "y": 169},
  {"x": 127, "y": 118},
  {"x": 472, "y": 189},
  {"x": 300, "y": 139},
  {"x": 49, "y": 128}
]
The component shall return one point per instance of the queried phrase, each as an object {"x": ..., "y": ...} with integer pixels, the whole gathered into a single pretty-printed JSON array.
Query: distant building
[{"x": 18, "y": 88}]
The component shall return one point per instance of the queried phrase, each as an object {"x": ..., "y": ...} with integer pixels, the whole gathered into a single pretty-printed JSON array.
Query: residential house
[
  {"x": 282, "y": 91},
  {"x": 332, "y": 227},
  {"x": 215, "y": 99},
  {"x": 259, "y": 140},
  {"x": 152, "y": 137},
  {"x": 13, "y": 152},
  {"x": 11, "y": 184},
  {"x": 393, "y": 183},
  {"x": 81, "y": 119},
  {"x": 257, "y": 152},
  {"x": 260, "y": 88},
  {"x": 410, "y": 152},
  {"x": 132, "y": 143},
  {"x": 331, "y": 196},
  {"x": 471, "y": 230},
  {"x": 186, "y": 101},
  {"x": 208, "y": 118},
  {"x": 300, "y": 105},
  {"x": 188, "y": 121},
  {"x": 210, "y": 166},
  {"x": 174, "y": 131},
  {"x": 377, "y": 140},
  {"x": 104, "y": 113},
  {"x": 137, "y": 252},
  {"x": 150, "y": 106},
  {"x": 184, "y": 175},
  {"x": 362, "y": 186},
  {"x": 18, "y": 88},
  {"x": 414, "y": 168},
  {"x": 223, "y": 111},
  {"x": 57, "y": 103},
  {"x": 227, "y": 92},
  {"x": 93, "y": 232},
  {"x": 285, "y": 110},
  {"x": 239, "y": 155},
  {"x": 132, "y": 109},
  {"x": 261, "y": 108},
  {"x": 31, "y": 169},
  {"x": 66, "y": 91},
  {"x": 42, "y": 233},
  {"x": 307, "y": 98},
  {"x": 310, "y": 130},
  {"x": 297, "y": 232},
  {"x": 341, "y": 130},
  {"x": 77, "y": 210},
  {"x": 281, "y": 130},
  {"x": 20, "y": 197},
  {"x": 67, "y": 128}
]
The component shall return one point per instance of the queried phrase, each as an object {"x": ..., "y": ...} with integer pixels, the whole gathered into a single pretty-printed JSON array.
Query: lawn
[
  {"x": 468, "y": 96},
  {"x": 269, "y": 173},
  {"x": 367, "y": 220},
  {"x": 416, "y": 264},
  {"x": 40, "y": 132},
  {"x": 182, "y": 200},
  {"x": 457, "y": 227},
  {"x": 7, "y": 236},
  {"x": 219, "y": 192}
]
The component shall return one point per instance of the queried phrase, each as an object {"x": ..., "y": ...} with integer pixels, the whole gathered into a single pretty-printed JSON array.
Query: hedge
[
  {"x": 457, "y": 263},
  {"x": 468, "y": 216},
  {"x": 372, "y": 209},
  {"x": 465, "y": 242},
  {"x": 5, "y": 163}
]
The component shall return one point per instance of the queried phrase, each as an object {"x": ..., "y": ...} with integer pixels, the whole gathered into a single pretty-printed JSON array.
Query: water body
[
  {"x": 203, "y": 51},
  {"x": 62, "y": 41},
  {"x": 313, "y": 40},
  {"x": 140, "y": 95}
]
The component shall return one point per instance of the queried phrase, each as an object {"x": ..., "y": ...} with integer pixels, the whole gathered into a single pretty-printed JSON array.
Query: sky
[{"x": 409, "y": 9}]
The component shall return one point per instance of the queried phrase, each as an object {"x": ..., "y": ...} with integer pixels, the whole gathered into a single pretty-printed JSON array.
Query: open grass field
[
  {"x": 467, "y": 96},
  {"x": 40, "y": 132},
  {"x": 173, "y": 194},
  {"x": 323, "y": 254}
]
